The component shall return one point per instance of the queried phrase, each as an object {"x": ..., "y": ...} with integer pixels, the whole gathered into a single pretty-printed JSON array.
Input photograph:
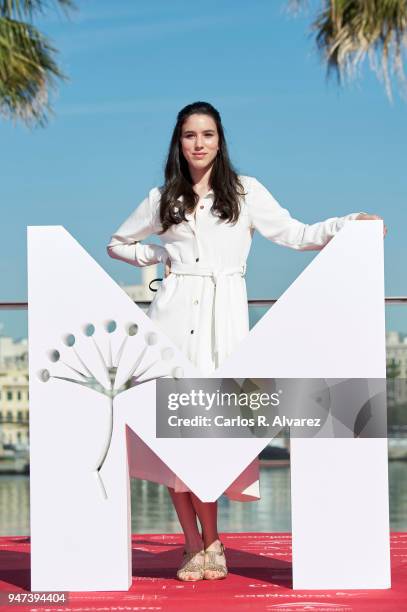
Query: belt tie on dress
[{"x": 221, "y": 307}]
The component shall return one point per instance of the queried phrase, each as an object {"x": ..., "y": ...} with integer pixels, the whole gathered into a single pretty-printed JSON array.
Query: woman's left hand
[{"x": 367, "y": 217}]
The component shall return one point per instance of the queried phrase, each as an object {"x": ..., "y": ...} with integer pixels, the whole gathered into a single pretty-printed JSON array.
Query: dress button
[
  {"x": 192, "y": 331},
  {"x": 197, "y": 259},
  {"x": 202, "y": 207}
]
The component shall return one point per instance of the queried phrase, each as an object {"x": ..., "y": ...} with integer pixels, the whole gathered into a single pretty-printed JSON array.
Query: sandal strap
[
  {"x": 191, "y": 565},
  {"x": 211, "y": 563}
]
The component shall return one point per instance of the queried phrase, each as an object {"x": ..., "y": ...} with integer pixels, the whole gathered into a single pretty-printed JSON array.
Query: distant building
[
  {"x": 396, "y": 351},
  {"x": 396, "y": 365},
  {"x": 13, "y": 353},
  {"x": 14, "y": 417}
]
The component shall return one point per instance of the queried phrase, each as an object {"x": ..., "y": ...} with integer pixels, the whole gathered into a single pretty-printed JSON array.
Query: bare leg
[
  {"x": 187, "y": 518},
  {"x": 192, "y": 567},
  {"x": 215, "y": 561},
  {"x": 208, "y": 517}
]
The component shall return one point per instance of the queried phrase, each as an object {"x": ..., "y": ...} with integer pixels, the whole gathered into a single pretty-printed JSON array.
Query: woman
[{"x": 205, "y": 215}]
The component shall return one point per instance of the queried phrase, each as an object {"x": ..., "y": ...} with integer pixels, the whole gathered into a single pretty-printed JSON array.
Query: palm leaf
[
  {"x": 28, "y": 68},
  {"x": 349, "y": 31},
  {"x": 23, "y": 9}
]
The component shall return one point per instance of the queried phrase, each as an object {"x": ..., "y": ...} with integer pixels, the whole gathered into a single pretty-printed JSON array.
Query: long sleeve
[
  {"x": 143, "y": 222},
  {"x": 276, "y": 223}
]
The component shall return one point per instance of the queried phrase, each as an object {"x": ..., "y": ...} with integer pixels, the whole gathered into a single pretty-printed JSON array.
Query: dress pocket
[
  {"x": 165, "y": 280},
  {"x": 165, "y": 304}
]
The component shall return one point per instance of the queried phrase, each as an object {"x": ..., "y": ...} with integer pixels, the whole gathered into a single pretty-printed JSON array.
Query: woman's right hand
[
  {"x": 167, "y": 268},
  {"x": 369, "y": 217}
]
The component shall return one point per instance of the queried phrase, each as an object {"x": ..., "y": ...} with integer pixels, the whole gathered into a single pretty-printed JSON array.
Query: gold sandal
[
  {"x": 193, "y": 563},
  {"x": 215, "y": 561}
]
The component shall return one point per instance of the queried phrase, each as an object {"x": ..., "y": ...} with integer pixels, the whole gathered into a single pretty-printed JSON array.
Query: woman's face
[{"x": 199, "y": 141}]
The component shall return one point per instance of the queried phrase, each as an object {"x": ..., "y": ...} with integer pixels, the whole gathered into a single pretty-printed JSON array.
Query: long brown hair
[{"x": 223, "y": 180}]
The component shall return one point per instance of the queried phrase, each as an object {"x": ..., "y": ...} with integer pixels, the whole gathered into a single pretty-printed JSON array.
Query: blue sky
[{"x": 322, "y": 151}]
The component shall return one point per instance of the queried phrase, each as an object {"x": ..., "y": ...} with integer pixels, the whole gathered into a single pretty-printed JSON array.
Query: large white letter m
[{"x": 88, "y": 341}]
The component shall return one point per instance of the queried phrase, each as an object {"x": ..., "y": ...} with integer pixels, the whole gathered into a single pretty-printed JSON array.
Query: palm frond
[
  {"x": 349, "y": 31},
  {"x": 23, "y": 9},
  {"x": 27, "y": 72},
  {"x": 28, "y": 69}
]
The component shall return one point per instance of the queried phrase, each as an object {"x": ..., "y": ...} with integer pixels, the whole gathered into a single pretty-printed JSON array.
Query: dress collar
[{"x": 210, "y": 193}]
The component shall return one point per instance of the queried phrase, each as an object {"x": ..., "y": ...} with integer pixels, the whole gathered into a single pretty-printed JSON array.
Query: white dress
[{"x": 202, "y": 304}]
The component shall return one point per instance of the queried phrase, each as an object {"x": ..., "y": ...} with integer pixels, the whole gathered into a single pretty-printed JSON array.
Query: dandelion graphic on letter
[{"x": 140, "y": 371}]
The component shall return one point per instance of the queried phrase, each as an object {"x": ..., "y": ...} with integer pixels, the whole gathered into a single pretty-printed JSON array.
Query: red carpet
[{"x": 259, "y": 579}]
